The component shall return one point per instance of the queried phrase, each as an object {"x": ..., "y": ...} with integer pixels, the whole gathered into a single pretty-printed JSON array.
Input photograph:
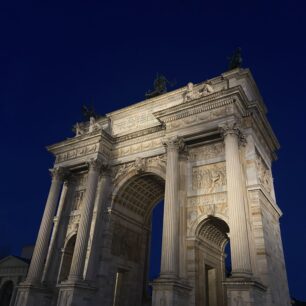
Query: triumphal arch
[{"x": 206, "y": 149}]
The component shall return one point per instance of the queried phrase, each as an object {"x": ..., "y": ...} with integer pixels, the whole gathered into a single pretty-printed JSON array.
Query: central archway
[{"x": 133, "y": 205}]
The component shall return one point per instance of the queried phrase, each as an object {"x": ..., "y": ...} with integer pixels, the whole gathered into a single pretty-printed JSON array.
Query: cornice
[
  {"x": 138, "y": 134},
  {"x": 212, "y": 101}
]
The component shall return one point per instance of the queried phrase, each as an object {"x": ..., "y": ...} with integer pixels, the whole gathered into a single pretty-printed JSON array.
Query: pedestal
[
  {"x": 170, "y": 292},
  {"x": 245, "y": 292},
  {"x": 75, "y": 293},
  {"x": 33, "y": 295}
]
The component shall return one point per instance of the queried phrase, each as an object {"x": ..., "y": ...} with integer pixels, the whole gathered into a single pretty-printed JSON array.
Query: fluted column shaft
[
  {"x": 103, "y": 189},
  {"x": 78, "y": 259},
  {"x": 240, "y": 253},
  {"x": 170, "y": 243},
  {"x": 55, "y": 230},
  {"x": 42, "y": 242}
]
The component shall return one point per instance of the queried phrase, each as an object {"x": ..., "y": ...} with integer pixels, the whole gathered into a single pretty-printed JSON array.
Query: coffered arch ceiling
[
  {"x": 140, "y": 193},
  {"x": 213, "y": 231}
]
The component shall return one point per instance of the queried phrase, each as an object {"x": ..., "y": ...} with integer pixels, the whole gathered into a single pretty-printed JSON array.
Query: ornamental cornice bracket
[
  {"x": 174, "y": 143},
  {"x": 232, "y": 127}
]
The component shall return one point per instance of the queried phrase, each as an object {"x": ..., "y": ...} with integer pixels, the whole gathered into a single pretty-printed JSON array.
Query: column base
[
  {"x": 29, "y": 294},
  {"x": 170, "y": 292},
  {"x": 245, "y": 292},
  {"x": 75, "y": 293}
]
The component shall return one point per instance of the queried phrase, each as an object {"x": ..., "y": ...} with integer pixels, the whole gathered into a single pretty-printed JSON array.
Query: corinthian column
[
  {"x": 57, "y": 222},
  {"x": 240, "y": 253},
  {"x": 170, "y": 243},
  {"x": 42, "y": 242},
  {"x": 78, "y": 259}
]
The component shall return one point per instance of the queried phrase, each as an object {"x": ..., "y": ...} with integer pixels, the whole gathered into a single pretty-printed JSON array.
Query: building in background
[{"x": 13, "y": 270}]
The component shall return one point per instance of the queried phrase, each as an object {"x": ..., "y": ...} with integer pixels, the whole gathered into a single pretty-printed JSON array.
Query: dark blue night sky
[{"x": 56, "y": 56}]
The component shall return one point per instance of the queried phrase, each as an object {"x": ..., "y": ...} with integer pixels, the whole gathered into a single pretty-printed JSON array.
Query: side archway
[
  {"x": 211, "y": 237},
  {"x": 67, "y": 258}
]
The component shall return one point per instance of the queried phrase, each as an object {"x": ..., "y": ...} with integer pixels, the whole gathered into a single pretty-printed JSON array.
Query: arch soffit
[
  {"x": 149, "y": 195},
  {"x": 197, "y": 223},
  {"x": 133, "y": 173},
  {"x": 68, "y": 238},
  {"x": 216, "y": 228}
]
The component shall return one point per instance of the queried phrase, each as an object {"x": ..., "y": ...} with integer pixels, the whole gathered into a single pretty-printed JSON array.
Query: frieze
[
  {"x": 138, "y": 121},
  {"x": 205, "y": 116},
  {"x": 207, "y": 152},
  {"x": 209, "y": 178},
  {"x": 197, "y": 109},
  {"x": 209, "y": 199},
  {"x": 139, "y": 147},
  {"x": 79, "y": 152}
]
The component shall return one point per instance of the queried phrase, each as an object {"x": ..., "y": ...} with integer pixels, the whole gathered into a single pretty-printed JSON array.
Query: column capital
[
  {"x": 58, "y": 173},
  {"x": 174, "y": 143},
  {"x": 232, "y": 127},
  {"x": 94, "y": 165},
  {"x": 105, "y": 169}
]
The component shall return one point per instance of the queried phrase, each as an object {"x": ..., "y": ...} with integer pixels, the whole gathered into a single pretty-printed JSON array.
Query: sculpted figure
[
  {"x": 189, "y": 92},
  {"x": 206, "y": 90},
  {"x": 78, "y": 130},
  {"x": 92, "y": 122}
]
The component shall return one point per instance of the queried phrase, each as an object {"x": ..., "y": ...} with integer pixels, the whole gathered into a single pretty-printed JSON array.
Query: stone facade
[{"x": 207, "y": 150}]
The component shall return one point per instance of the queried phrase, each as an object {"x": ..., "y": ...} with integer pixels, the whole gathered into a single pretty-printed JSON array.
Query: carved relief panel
[
  {"x": 209, "y": 178},
  {"x": 77, "y": 199},
  {"x": 264, "y": 174},
  {"x": 207, "y": 190}
]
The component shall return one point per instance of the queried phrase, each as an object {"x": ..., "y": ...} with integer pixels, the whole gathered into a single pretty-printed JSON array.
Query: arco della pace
[{"x": 206, "y": 149}]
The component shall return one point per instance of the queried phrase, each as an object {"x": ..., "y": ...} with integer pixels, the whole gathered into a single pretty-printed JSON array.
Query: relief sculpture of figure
[
  {"x": 78, "y": 130},
  {"x": 92, "y": 123},
  {"x": 206, "y": 90},
  {"x": 189, "y": 92}
]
